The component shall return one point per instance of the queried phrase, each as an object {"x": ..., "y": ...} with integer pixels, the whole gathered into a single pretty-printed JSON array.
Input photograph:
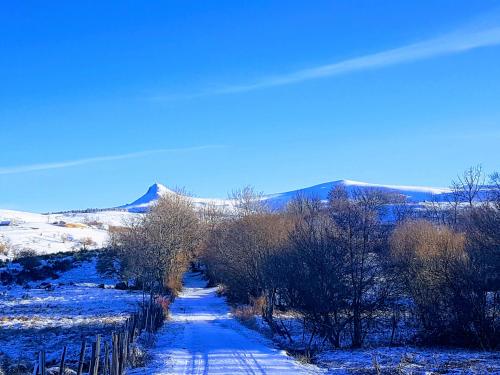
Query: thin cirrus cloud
[
  {"x": 452, "y": 43},
  {"x": 98, "y": 159}
]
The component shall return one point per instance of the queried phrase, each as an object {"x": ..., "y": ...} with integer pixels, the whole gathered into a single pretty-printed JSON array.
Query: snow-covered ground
[
  {"x": 401, "y": 359},
  {"x": 204, "y": 338},
  {"x": 202, "y": 335},
  {"x": 75, "y": 306},
  {"x": 38, "y": 232},
  {"x": 409, "y": 360}
]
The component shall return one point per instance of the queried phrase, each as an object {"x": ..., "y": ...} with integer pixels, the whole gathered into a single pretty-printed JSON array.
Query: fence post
[
  {"x": 82, "y": 357},
  {"x": 132, "y": 332},
  {"x": 114, "y": 358},
  {"x": 43, "y": 370},
  {"x": 97, "y": 354},
  {"x": 106, "y": 359},
  {"x": 92, "y": 360},
  {"x": 126, "y": 342},
  {"x": 120, "y": 351},
  {"x": 63, "y": 357}
]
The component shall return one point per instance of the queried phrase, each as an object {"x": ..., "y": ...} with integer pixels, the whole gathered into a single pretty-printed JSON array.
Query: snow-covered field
[
  {"x": 39, "y": 233},
  {"x": 76, "y": 305},
  {"x": 204, "y": 338}
]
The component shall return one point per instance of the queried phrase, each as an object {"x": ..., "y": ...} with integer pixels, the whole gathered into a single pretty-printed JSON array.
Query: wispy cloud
[
  {"x": 98, "y": 159},
  {"x": 452, "y": 43}
]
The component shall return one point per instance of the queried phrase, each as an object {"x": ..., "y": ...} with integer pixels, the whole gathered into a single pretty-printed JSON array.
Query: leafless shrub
[
  {"x": 85, "y": 243},
  {"x": 440, "y": 277},
  {"x": 467, "y": 186}
]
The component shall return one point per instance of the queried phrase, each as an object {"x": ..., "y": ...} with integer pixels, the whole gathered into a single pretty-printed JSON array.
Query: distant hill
[{"x": 415, "y": 194}]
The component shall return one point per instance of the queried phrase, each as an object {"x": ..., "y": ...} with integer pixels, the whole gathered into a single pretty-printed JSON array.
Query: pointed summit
[
  {"x": 157, "y": 190},
  {"x": 142, "y": 204}
]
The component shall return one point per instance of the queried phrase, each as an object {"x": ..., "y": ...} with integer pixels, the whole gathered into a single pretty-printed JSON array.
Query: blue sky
[{"x": 98, "y": 100}]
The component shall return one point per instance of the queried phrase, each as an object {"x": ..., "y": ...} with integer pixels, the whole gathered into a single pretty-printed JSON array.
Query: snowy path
[{"x": 204, "y": 338}]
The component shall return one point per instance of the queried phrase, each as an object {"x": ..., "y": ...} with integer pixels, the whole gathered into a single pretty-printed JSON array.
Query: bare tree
[
  {"x": 435, "y": 212},
  {"x": 248, "y": 201},
  {"x": 360, "y": 235},
  {"x": 455, "y": 199},
  {"x": 494, "y": 195},
  {"x": 303, "y": 206},
  {"x": 401, "y": 209},
  {"x": 317, "y": 285},
  {"x": 468, "y": 185}
]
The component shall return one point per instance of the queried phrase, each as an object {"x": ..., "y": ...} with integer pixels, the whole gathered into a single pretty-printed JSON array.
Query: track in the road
[{"x": 203, "y": 338}]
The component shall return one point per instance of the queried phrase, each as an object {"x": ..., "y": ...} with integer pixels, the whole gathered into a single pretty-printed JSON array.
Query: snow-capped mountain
[
  {"x": 157, "y": 190},
  {"x": 415, "y": 194},
  {"x": 142, "y": 204}
]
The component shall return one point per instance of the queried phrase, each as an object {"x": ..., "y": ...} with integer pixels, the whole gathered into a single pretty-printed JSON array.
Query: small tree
[
  {"x": 361, "y": 236},
  {"x": 468, "y": 185}
]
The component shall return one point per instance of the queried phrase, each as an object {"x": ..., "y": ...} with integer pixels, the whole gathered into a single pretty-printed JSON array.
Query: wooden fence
[{"x": 111, "y": 358}]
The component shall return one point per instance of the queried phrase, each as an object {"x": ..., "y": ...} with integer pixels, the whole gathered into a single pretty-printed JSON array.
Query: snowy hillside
[
  {"x": 157, "y": 190},
  {"x": 415, "y": 194},
  {"x": 56, "y": 232}
]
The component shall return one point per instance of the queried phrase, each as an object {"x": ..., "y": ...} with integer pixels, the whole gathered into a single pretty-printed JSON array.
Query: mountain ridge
[{"x": 414, "y": 194}]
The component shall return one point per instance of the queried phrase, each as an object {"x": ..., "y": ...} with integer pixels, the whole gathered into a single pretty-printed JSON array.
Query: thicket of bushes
[{"x": 344, "y": 266}]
